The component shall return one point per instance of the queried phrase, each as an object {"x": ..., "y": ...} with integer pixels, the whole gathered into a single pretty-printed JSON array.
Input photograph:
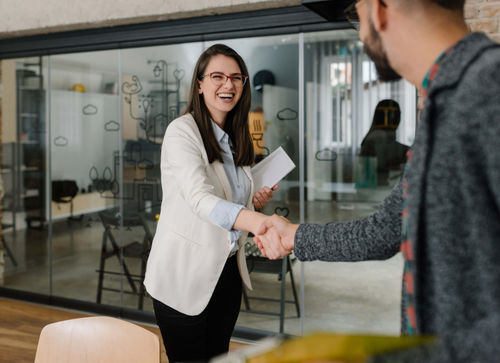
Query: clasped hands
[{"x": 276, "y": 237}]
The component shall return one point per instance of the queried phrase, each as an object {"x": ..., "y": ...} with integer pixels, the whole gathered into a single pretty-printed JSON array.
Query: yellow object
[
  {"x": 157, "y": 217},
  {"x": 78, "y": 87},
  {"x": 345, "y": 348},
  {"x": 256, "y": 126}
]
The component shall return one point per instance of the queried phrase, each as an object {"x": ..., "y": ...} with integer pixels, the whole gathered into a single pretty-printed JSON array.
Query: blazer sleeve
[{"x": 183, "y": 163}]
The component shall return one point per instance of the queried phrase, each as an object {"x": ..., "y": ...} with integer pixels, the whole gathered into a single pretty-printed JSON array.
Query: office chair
[
  {"x": 257, "y": 263},
  {"x": 97, "y": 339},
  {"x": 64, "y": 191},
  {"x": 134, "y": 249}
]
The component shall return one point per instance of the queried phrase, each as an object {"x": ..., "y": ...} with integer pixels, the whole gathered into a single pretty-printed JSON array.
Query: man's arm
[{"x": 376, "y": 237}]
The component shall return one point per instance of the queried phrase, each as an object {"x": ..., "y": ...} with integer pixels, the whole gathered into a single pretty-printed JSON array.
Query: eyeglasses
[
  {"x": 351, "y": 15},
  {"x": 219, "y": 78}
]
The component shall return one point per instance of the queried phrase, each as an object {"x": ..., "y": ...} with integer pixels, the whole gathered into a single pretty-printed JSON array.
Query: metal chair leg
[
  {"x": 292, "y": 280},
  {"x": 101, "y": 268},
  {"x": 282, "y": 302},
  {"x": 9, "y": 252}
]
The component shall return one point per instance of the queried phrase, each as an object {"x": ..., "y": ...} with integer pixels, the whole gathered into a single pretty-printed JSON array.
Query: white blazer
[{"x": 189, "y": 251}]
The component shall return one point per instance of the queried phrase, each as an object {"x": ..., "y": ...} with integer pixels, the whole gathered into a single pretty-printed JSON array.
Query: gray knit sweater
[{"x": 454, "y": 213}]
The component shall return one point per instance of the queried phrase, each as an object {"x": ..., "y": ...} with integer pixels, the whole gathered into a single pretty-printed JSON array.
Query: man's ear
[{"x": 378, "y": 13}]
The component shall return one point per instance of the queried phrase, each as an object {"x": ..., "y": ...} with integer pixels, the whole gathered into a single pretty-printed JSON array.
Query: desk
[{"x": 83, "y": 204}]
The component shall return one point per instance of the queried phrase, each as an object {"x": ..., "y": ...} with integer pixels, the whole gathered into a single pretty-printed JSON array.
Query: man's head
[{"x": 384, "y": 27}]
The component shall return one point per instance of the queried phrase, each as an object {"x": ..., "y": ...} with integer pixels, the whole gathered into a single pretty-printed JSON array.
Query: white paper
[{"x": 272, "y": 169}]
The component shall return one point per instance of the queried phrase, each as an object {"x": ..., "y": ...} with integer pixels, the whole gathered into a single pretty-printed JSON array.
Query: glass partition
[
  {"x": 356, "y": 146},
  {"x": 84, "y": 173},
  {"x": 24, "y": 168},
  {"x": 273, "y": 66},
  {"x": 81, "y": 172},
  {"x": 155, "y": 85}
]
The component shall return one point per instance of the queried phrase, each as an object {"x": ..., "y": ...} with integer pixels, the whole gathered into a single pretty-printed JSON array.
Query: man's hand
[
  {"x": 276, "y": 237},
  {"x": 263, "y": 196}
]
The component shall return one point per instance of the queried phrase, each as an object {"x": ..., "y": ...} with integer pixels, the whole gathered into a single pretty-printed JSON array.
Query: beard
[{"x": 376, "y": 52}]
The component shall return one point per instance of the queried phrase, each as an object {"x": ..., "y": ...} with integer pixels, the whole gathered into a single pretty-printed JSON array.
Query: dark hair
[
  {"x": 457, "y": 5},
  {"x": 387, "y": 115},
  {"x": 236, "y": 125},
  {"x": 451, "y": 4}
]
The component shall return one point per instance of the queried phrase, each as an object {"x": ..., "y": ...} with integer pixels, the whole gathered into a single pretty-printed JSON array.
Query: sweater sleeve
[{"x": 376, "y": 237}]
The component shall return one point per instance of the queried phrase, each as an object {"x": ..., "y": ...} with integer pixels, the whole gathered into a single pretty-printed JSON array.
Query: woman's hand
[{"x": 263, "y": 196}]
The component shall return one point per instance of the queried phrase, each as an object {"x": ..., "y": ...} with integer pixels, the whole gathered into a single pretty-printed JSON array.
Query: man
[{"x": 444, "y": 216}]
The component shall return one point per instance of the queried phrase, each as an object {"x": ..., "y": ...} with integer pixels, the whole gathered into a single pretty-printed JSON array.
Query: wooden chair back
[{"x": 95, "y": 340}]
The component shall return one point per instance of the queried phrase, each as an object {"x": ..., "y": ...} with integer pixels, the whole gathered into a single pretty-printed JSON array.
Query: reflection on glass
[{"x": 343, "y": 182}]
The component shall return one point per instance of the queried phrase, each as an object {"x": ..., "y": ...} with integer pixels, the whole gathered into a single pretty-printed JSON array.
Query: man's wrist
[{"x": 290, "y": 237}]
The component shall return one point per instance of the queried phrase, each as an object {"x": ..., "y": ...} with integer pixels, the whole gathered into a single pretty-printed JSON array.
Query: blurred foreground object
[
  {"x": 322, "y": 346},
  {"x": 327, "y": 346}
]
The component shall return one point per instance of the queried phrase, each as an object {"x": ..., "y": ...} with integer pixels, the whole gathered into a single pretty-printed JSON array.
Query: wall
[
  {"x": 484, "y": 15},
  {"x": 35, "y": 17}
]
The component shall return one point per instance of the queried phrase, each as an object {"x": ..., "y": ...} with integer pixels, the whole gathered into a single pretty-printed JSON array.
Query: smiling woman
[{"x": 194, "y": 275}]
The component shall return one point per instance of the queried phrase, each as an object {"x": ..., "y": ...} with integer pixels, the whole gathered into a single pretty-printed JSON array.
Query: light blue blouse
[{"x": 224, "y": 213}]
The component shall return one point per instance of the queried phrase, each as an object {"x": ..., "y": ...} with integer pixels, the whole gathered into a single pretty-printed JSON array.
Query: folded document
[{"x": 272, "y": 169}]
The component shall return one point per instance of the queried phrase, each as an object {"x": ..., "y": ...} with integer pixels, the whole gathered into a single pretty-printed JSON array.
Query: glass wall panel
[
  {"x": 84, "y": 174},
  {"x": 355, "y": 150},
  {"x": 155, "y": 86},
  {"x": 24, "y": 170},
  {"x": 90, "y": 176},
  {"x": 273, "y": 66}
]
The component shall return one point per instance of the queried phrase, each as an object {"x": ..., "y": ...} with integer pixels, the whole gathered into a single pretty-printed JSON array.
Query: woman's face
[{"x": 220, "y": 93}]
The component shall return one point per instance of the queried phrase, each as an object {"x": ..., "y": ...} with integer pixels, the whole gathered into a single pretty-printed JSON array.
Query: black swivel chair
[
  {"x": 257, "y": 263},
  {"x": 133, "y": 249},
  {"x": 64, "y": 191}
]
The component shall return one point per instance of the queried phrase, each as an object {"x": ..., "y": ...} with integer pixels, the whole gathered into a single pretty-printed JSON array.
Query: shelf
[
  {"x": 86, "y": 93},
  {"x": 32, "y": 193},
  {"x": 28, "y": 88},
  {"x": 30, "y": 168},
  {"x": 28, "y": 114}
]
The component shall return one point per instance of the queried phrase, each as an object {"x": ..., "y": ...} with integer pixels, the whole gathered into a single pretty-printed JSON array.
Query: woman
[{"x": 197, "y": 262}]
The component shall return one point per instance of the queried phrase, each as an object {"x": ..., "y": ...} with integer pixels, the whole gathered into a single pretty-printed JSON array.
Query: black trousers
[{"x": 201, "y": 337}]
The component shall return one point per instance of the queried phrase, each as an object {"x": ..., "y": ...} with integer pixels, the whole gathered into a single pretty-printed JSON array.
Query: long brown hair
[{"x": 236, "y": 125}]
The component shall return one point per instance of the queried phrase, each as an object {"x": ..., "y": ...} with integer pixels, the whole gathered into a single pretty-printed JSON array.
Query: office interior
[{"x": 81, "y": 144}]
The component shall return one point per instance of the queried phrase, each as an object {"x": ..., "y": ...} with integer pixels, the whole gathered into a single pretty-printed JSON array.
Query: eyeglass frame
[
  {"x": 245, "y": 78},
  {"x": 352, "y": 16}
]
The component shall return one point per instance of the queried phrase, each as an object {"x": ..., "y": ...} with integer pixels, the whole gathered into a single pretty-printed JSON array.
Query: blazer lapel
[
  {"x": 219, "y": 170},
  {"x": 248, "y": 172}
]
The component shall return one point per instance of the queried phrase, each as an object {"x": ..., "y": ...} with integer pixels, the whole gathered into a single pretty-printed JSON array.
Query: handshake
[{"x": 275, "y": 237}]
